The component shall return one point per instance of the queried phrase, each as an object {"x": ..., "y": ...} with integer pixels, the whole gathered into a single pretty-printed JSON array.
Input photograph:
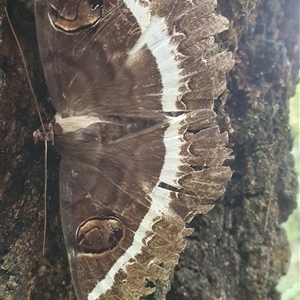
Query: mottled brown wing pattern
[{"x": 133, "y": 83}]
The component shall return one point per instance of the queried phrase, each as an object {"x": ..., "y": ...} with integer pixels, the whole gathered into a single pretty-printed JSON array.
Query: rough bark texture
[{"x": 239, "y": 250}]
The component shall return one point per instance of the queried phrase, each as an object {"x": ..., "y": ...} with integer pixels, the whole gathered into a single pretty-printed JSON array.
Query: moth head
[{"x": 44, "y": 133}]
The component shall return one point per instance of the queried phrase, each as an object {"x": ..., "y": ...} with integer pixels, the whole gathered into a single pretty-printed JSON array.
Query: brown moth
[{"x": 133, "y": 83}]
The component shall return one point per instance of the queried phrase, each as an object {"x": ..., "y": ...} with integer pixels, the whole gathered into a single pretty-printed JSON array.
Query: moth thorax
[
  {"x": 75, "y": 123},
  {"x": 78, "y": 137}
]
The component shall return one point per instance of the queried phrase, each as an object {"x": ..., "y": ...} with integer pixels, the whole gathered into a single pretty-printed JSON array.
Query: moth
[{"x": 133, "y": 83}]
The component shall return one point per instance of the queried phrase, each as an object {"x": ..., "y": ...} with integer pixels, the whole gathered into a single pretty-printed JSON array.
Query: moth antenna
[
  {"x": 45, "y": 196},
  {"x": 41, "y": 120},
  {"x": 25, "y": 66}
]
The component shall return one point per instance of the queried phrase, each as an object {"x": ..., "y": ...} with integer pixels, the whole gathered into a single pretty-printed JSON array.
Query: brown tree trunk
[{"x": 239, "y": 250}]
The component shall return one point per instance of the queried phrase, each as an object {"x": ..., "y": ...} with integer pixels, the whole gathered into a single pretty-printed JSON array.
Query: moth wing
[
  {"x": 141, "y": 58},
  {"x": 150, "y": 203},
  {"x": 153, "y": 56}
]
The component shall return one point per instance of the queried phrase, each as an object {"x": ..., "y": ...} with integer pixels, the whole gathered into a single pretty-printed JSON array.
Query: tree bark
[{"x": 238, "y": 250}]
